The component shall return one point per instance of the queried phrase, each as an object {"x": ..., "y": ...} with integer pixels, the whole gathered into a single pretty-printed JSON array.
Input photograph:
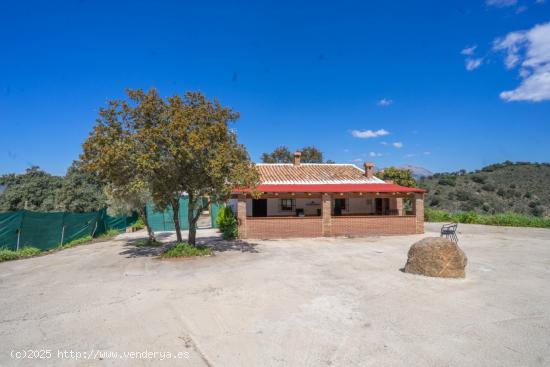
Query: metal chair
[{"x": 449, "y": 231}]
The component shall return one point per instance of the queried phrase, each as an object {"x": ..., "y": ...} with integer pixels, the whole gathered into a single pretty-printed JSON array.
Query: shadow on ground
[{"x": 131, "y": 249}]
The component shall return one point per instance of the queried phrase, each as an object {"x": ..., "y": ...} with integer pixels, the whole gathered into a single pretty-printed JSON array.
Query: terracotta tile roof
[{"x": 313, "y": 173}]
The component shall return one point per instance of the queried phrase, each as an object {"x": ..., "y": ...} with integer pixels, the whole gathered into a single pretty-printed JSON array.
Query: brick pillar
[
  {"x": 327, "y": 215},
  {"x": 419, "y": 212},
  {"x": 241, "y": 215},
  {"x": 399, "y": 206}
]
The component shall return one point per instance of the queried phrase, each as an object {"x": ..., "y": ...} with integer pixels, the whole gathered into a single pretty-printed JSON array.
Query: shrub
[
  {"x": 227, "y": 223},
  {"x": 488, "y": 187},
  {"x": 7, "y": 254},
  {"x": 447, "y": 180},
  {"x": 478, "y": 179},
  {"x": 463, "y": 195},
  {"x": 183, "y": 249},
  {"x": 434, "y": 202},
  {"x": 434, "y": 215},
  {"x": 139, "y": 224},
  {"x": 506, "y": 219}
]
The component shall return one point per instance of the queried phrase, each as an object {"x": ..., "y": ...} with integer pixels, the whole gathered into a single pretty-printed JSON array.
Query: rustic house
[{"x": 321, "y": 199}]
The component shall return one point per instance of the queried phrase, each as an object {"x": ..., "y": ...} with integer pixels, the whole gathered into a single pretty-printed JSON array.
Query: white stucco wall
[
  {"x": 310, "y": 206},
  {"x": 364, "y": 205}
]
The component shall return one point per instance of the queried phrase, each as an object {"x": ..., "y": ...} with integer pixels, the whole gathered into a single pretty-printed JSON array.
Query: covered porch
[{"x": 354, "y": 211}]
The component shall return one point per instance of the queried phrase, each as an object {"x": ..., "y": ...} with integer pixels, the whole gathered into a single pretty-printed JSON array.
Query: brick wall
[
  {"x": 284, "y": 227},
  {"x": 373, "y": 225}
]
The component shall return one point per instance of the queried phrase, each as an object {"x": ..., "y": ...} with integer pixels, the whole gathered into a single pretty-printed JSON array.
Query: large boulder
[{"x": 436, "y": 257}]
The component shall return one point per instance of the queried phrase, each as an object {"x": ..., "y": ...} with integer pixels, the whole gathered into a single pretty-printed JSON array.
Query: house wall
[
  {"x": 373, "y": 225},
  {"x": 282, "y": 225}
]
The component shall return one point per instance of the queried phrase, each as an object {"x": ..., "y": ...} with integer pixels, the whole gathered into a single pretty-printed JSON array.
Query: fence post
[
  {"x": 62, "y": 229},
  {"x": 18, "y": 238}
]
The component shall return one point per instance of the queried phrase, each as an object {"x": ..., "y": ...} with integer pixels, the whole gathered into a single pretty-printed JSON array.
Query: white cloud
[
  {"x": 468, "y": 51},
  {"x": 384, "y": 142},
  {"x": 346, "y": 150},
  {"x": 410, "y": 155},
  {"x": 366, "y": 134},
  {"x": 472, "y": 64},
  {"x": 501, "y": 3},
  {"x": 398, "y": 144},
  {"x": 530, "y": 50},
  {"x": 427, "y": 153},
  {"x": 358, "y": 160},
  {"x": 374, "y": 154},
  {"x": 385, "y": 102}
]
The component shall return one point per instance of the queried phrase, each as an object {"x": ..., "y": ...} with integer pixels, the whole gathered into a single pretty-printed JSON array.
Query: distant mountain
[
  {"x": 520, "y": 187},
  {"x": 418, "y": 172}
]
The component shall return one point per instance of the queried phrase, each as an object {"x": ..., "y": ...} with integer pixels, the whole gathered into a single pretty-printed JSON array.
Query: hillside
[{"x": 506, "y": 187}]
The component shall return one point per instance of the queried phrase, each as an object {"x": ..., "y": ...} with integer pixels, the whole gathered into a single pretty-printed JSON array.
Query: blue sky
[{"x": 455, "y": 84}]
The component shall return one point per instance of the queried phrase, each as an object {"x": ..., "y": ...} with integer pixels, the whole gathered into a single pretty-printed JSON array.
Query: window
[
  {"x": 340, "y": 203},
  {"x": 288, "y": 205}
]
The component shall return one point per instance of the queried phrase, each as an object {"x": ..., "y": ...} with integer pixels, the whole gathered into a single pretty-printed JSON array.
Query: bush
[
  {"x": 478, "y": 179},
  {"x": 183, "y": 249},
  {"x": 488, "y": 187},
  {"x": 7, "y": 254},
  {"x": 139, "y": 224},
  {"x": 506, "y": 219},
  {"x": 447, "y": 180},
  {"x": 434, "y": 215},
  {"x": 227, "y": 223}
]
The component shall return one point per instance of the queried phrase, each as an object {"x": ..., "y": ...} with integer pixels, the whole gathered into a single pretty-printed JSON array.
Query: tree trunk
[
  {"x": 175, "y": 215},
  {"x": 191, "y": 238},
  {"x": 150, "y": 232}
]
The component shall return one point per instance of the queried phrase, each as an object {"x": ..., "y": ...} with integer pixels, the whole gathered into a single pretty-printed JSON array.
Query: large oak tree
[{"x": 176, "y": 146}]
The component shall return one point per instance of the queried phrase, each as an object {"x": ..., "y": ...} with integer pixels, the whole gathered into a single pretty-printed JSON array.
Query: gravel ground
[{"x": 301, "y": 302}]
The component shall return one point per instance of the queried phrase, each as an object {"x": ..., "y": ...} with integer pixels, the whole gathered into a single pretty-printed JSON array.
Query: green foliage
[
  {"x": 478, "y": 179},
  {"x": 109, "y": 233},
  {"x": 80, "y": 191},
  {"x": 184, "y": 249},
  {"x": 139, "y": 224},
  {"x": 498, "y": 188},
  {"x": 488, "y": 187},
  {"x": 147, "y": 243},
  {"x": 503, "y": 219},
  {"x": 86, "y": 239},
  {"x": 78, "y": 241},
  {"x": 447, "y": 181},
  {"x": 169, "y": 146},
  {"x": 282, "y": 154},
  {"x": 227, "y": 223},
  {"x": 401, "y": 176},
  {"x": 32, "y": 190},
  {"x": 7, "y": 254}
]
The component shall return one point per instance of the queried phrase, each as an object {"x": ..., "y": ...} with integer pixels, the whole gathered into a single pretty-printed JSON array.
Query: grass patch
[
  {"x": 86, "y": 239},
  {"x": 7, "y": 254},
  {"x": 506, "y": 219},
  {"x": 109, "y": 233},
  {"x": 183, "y": 249},
  {"x": 147, "y": 243},
  {"x": 76, "y": 242}
]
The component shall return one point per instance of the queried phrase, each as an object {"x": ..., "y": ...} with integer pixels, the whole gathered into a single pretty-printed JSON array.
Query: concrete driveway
[{"x": 313, "y": 302}]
